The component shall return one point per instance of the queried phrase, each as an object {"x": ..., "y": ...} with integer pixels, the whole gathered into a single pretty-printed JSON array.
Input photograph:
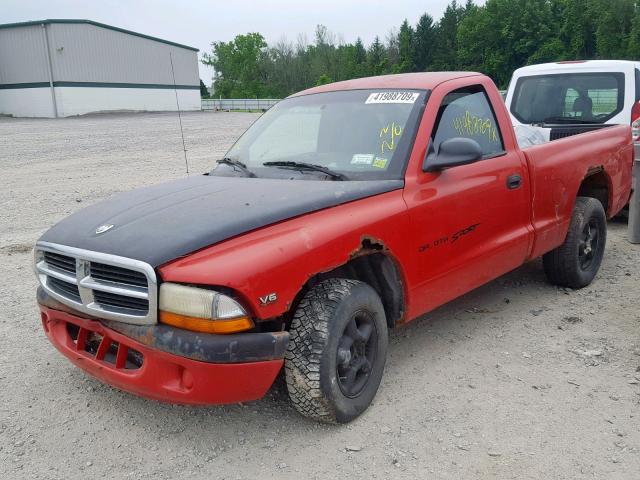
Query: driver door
[{"x": 470, "y": 223}]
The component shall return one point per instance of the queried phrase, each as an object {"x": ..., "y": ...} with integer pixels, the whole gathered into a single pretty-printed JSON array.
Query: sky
[{"x": 198, "y": 23}]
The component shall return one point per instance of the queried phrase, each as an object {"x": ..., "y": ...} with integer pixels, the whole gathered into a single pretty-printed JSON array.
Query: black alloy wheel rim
[
  {"x": 588, "y": 245},
  {"x": 356, "y": 353}
]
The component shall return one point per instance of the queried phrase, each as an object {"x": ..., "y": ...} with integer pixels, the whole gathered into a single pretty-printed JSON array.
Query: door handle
[{"x": 514, "y": 181}]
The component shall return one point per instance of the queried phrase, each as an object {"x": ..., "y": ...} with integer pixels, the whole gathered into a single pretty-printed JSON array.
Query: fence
[{"x": 238, "y": 103}]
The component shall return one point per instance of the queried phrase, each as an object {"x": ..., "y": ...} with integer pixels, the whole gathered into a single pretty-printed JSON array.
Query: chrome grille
[
  {"x": 63, "y": 288},
  {"x": 111, "y": 273},
  {"x": 107, "y": 286},
  {"x": 61, "y": 262},
  {"x": 114, "y": 300}
]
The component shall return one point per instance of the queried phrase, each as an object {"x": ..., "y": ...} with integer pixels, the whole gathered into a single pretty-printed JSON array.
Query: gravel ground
[{"x": 517, "y": 379}]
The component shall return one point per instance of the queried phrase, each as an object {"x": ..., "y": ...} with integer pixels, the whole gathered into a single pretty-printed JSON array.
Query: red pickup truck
[{"x": 345, "y": 210}]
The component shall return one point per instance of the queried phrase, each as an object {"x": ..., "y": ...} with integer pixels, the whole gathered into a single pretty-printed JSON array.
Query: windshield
[
  {"x": 361, "y": 134},
  {"x": 568, "y": 98}
]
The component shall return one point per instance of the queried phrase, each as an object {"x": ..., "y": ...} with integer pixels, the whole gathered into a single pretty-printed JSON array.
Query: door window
[{"x": 467, "y": 113}]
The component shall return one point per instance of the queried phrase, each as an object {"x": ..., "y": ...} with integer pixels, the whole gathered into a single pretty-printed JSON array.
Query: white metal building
[{"x": 59, "y": 68}]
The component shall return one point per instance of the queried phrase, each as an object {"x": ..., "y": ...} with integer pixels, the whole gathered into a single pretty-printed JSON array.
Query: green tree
[
  {"x": 405, "y": 48},
  {"x": 614, "y": 27},
  {"x": 495, "y": 38},
  {"x": 323, "y": 80},
  {"x": 376, "y": 58},
  {"x": 506, "y": 34},
  {"x": 237, "y": 66},
  {"x": 446, "y": 45},
  {"x": 321, "y": 56},
  {"x": 360, "y": 52},
  {"x": 633, "y": 48},
  {"x": 204, "y": 93},
  {"x": 281, "y": 69},
  {"x": 424, "y": 41},
  {"x": 577, "y": 29}
]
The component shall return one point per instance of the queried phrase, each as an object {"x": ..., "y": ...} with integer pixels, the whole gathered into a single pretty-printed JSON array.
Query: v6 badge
[{"x": 267, "y": 299}]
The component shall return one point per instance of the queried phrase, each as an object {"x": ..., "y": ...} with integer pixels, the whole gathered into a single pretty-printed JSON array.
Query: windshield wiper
[
  {"x": 561, "y": 119},
  {"x": 307, "y": 166},
  {"x": 237, "y": 164}
]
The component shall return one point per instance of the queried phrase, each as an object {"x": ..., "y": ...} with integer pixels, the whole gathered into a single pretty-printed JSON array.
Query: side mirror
[{"x": 452, "y": 153}]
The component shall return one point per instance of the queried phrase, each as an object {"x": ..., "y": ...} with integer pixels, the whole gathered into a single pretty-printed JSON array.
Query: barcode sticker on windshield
[{"x": 392, "y": 97}]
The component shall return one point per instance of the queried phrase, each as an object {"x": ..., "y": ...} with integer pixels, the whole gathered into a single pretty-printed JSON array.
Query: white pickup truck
[{"x": 556, "y": 100}]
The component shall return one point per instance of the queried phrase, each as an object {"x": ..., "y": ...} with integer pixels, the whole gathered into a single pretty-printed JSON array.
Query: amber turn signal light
[{"x": 205, "y": 325}]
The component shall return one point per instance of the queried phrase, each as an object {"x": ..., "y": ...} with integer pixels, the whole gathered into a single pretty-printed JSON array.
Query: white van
[{"x": 566, "y": 98}]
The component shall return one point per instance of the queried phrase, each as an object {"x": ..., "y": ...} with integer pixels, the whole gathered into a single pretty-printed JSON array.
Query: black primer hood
[{"x": 163, "y": 222}]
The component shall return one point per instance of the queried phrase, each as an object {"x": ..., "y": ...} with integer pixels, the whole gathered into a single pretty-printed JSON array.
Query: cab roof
[
  {"x": 578, "y": 65},
  {"x": 421, "y": 81}
]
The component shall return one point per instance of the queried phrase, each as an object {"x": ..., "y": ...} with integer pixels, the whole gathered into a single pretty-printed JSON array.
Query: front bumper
[{"x": 135, "y": 367}]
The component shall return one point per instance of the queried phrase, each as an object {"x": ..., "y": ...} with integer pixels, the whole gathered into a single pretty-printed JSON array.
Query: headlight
[{"x": 201, "y": 310}]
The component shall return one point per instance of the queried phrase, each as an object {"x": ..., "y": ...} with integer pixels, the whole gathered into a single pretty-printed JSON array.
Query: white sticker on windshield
[
  {"x": 362, "y": 159},
  {"x": 392, "y": 97}
]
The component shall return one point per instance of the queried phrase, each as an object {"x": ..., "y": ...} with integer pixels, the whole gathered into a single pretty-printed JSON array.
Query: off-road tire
[
  {"x": 564, "y": 266},
  {"x": 317, "y": 334}
]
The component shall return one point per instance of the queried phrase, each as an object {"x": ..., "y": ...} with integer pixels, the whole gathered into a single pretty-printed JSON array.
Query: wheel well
[
  {"x": 378, "y": 270},
  {"x": 596, "y": 185}
]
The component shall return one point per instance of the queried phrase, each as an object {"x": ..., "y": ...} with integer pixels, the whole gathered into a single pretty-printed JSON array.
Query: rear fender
[{"x": 559, "y": 168}]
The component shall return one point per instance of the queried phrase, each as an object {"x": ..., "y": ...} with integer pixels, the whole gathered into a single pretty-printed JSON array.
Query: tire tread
[
  {"x": 308, "y": 335},
  {"x": 560, "y": 263}
]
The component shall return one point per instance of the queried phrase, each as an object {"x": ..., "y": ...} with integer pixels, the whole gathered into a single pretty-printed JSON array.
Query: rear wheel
[
  {"x": 337, "y": 350},
  {"x": 576, "y": 262}
]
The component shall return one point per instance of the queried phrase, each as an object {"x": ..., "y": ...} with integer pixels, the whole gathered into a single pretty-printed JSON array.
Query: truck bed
[{"x": 555, "y": 181}]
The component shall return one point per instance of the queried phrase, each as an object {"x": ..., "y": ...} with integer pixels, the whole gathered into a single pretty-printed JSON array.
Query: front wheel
[
  {"x": 576, "y": 262},
  {"x": 337, "y": 350}
]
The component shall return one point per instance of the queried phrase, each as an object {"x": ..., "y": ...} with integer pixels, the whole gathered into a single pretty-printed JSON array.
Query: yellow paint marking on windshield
[
  {"x": 474, "y": 125},
  {"x": 389, "y": 134}
]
